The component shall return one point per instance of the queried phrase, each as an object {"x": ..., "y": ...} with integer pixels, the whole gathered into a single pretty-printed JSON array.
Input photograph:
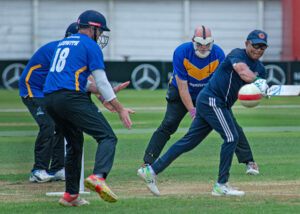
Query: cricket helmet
[
  {"x": 72, "y": 29},
  {"x": 92, "y": 18}
]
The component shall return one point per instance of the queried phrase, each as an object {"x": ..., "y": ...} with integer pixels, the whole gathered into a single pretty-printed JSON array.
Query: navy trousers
[
  {"x": 75, "y": 113},
  {"x": 174, "y": 114},
  {"x": 49, "y": 144},
  {"x": 208, "y": 117}
]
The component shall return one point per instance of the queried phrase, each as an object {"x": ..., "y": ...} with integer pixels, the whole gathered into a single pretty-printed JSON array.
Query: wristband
[
  {"x": 101, "y": 98},
  {"x": 257, "y": 78},
  {"x": 192, "y": 112}
]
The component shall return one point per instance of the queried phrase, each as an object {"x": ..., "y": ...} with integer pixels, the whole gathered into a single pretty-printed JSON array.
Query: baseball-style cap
[{"x": 258, "y": 37}]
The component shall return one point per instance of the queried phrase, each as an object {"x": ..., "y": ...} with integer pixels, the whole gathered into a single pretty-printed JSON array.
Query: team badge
[{"x": 261, "y": 35}]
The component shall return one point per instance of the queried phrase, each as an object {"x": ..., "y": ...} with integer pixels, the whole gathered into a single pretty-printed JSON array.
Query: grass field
[{"x": 273, "y": 130}]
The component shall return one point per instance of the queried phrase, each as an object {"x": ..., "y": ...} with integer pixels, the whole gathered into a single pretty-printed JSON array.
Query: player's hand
[
  {"x": 192, "y": 113},
  {"x": 108, "y": 106},
  {"x": 121, "y": 86},
  {"x": 125, "y": 118},
  {"x": 261, "y": 85}
]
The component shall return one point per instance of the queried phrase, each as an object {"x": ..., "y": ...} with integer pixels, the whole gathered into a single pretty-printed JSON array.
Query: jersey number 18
[{"x": 59, "y": 61}]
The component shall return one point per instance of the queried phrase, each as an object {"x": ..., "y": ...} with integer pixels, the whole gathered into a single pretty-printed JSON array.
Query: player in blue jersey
[
  {"x": 49, "y": 144},
  {"x": 241, "y": 66},
  {"x": 194, "y": 64},
  {"x": 75, "y": 58}
]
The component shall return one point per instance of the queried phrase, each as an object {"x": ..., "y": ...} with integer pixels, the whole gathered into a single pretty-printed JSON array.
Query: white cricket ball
[{"x": 249, "y": 95}]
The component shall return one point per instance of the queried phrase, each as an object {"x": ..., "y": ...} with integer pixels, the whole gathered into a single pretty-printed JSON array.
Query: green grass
[{"x": 185, "y": 185}]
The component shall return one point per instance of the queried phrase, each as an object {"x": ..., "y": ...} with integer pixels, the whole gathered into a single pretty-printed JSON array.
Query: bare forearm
[
  {"x": 244, "y": 72},
  {"x": 185, "y": 94},
  {"x": 116, "y": 104}
]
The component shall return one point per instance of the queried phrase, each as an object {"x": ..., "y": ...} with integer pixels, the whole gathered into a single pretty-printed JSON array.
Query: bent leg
[
  {"x": 197, "y": 132},
  {"x": 174, "y": 114}
]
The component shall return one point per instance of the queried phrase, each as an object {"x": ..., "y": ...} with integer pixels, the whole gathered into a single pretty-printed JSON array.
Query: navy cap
[
  {"x": 92, "y": 18},
  {"x": 72, "y": 29},
  {"x": 258, "y": 37}
]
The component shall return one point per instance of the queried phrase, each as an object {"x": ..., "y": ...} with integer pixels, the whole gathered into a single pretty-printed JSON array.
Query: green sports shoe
[{"x": 226, "y": 190}]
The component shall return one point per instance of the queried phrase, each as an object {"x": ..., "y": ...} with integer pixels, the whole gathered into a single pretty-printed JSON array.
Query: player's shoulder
[
  {"x": 218, "y": 50},
  {"x": 184, "y": 48},
  {"x": 48, "y": 46},
  {"x": 237, "y": 52}
]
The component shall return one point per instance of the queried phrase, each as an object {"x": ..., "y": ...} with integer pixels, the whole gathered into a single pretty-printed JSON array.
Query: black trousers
[
  {"x": 174, "y": 115},
  {"x": 49, "y": 144},
  {"x": 75, "y": 113}
]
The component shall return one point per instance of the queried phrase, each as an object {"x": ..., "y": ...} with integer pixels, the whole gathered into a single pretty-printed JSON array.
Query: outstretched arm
[{"x": 108, "y": 94}]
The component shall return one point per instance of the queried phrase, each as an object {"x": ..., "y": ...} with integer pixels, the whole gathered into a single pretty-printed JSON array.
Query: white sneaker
[
  {"x": 59, "y": 175},
  {"x": 40, "y": 176},
  {"x": 252, "y": 168},
  {"x": 226, "y": 190},
  {"x": 147, "y": 174}
]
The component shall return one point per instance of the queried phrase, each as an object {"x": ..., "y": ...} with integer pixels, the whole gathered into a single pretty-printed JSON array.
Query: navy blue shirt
[{"x": 225, "y": 83}]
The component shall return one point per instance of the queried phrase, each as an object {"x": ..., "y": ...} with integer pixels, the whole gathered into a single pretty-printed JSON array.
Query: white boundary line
[
  {"x": 179, "y": 130},
  {"x": 163, "y": 108}
]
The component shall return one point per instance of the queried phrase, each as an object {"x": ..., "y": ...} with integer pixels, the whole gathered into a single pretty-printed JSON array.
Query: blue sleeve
[
  {"x": 95, "y": 56},
  {"x": 220, "y": 54},
  {"x": 178, "y": 64}
]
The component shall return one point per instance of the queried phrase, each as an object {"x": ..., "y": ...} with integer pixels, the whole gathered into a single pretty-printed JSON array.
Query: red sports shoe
[
  {"x": 99, "y": 185},
  {"x": 69, "y": 201}
]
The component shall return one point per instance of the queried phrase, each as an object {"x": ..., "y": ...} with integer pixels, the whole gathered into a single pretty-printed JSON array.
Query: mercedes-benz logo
[
  {"x": 145, "y": 76},
  {"x": 11, "y": 75},
  {"x": 275, "y": 75}
]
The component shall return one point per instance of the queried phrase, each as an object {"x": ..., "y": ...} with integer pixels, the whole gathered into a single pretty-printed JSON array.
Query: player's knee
[
  {"x": 169, "y": 126},
  {"x": 47, "y": 130}
]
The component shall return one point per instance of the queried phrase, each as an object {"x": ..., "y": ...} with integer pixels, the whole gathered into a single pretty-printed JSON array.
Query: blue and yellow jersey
[
  {"x": 196, "y": 71},
  {"x": 226, "y": 82},
  {"x": 34, "y": 75},
  {"x": 74, "y": 59}
]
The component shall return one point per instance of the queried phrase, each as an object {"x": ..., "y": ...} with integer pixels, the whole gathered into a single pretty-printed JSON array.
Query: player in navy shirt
[
  {"x": 49, "y": 144},
  {"x": 241, "y": 66},
  {"x": 194, "y": 64},
  {"x": 70, "y": 106}
]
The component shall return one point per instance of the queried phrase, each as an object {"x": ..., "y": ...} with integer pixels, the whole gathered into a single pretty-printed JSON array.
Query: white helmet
[{"x": 200, "y": 42}]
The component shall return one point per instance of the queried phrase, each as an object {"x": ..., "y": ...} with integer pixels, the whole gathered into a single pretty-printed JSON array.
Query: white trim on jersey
[
  {"x": 222, "y": 120},
  {"x": 103, "y": 84},
  {"x": 229, "y": 85}
]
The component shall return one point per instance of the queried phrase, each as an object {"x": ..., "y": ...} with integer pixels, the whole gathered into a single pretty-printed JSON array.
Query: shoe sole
[
  {"x": 252, "y": 173},
  {"x": 68, "y": 204},
  {"x": 140, "y": 174},
  {"x": 225, "y": 195},
  {"x": 37, "y": 180},
  {"x": 105, "y": 193}
]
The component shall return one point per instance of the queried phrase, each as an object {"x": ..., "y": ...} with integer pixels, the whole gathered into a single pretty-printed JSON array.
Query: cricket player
[
  {"x": 75, "y": 58},
  {"x": 194, "y": 64},
  {"x": 49, "y": 144},
  {"x": 213, "y": 111}
]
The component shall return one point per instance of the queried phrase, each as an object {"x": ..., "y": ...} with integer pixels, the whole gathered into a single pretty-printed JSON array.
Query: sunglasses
[{"x": 259, "y": 46}]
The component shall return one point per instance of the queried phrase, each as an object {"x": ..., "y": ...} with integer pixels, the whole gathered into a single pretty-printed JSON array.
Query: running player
[{"x": 241, "y": 66}]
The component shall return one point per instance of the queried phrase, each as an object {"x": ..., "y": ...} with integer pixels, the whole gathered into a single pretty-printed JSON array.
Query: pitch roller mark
[{"x": 180, "y": 130}]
